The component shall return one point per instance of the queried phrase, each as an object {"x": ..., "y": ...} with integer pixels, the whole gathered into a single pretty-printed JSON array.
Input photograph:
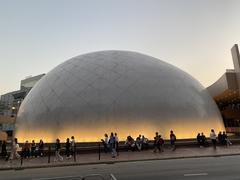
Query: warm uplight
[{"x": 96, "y": 133}]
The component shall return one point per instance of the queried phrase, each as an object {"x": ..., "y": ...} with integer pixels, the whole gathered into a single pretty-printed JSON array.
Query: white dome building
[{"x": 116, "y": 91}]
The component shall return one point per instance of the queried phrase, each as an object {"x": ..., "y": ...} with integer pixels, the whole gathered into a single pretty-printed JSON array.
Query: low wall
[{"x": 95, "y": 147}]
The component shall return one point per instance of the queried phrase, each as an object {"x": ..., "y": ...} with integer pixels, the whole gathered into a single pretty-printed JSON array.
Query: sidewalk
[{"x": 93, "y": 158}]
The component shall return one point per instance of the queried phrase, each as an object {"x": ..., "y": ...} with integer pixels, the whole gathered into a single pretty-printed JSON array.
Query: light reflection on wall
[{"x": 183, "y": 130}]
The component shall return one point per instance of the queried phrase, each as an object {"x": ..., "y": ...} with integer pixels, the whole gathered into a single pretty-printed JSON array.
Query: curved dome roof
[{"x": 116, "y": 91}]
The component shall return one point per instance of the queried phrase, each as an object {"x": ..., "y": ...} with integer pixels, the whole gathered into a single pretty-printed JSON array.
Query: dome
[{"x": 116, "y": 91}]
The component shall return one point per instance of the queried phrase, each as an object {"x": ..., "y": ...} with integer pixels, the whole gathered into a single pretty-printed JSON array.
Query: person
[
  {"x": 224, "y": 139},
  {"x": 73, "y": 146},
  {"x": 130, "y": 143},
  {"x": 105, "y": 143},
  {"x": 144, "y": 142},
  {"x": 161, "y": 143},
  {"x": 68, "y": 145},
  {"x": 40, "y": 148},
  {"x": 57, "y": 151},
  {"x": 139, "y": 143},
  {"x": 117, "y": 143},
  {"x": 15, "y": 148},
  {"x": 112, "y": 144},
  {"x": 213, "y": 138},
  {"x": 203, "y": 141},
  {"x": 173, "y": 140},
  {"x": 33, "y": 148},
  {"x": 220, "y": 138},
  {"x": 4, "y": 149},
  {"x": 26, "y": 150},
  {"x": 199, "y": 139},
  {"x": 156, "y": 142},
  {"x": 227, "y": 141}
]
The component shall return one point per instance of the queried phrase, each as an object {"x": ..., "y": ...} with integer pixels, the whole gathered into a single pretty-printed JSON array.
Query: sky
[{"x": 194, "y": 35}]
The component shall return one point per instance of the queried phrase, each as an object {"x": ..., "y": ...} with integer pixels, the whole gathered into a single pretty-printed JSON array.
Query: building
[
  {"x": 30, "y": 81},
  {"x": 7, "y": 124},
  {"x": 10, "y": 103},
  {"x": 116, "y": 91},
  {"x": 225, "y": 92}
]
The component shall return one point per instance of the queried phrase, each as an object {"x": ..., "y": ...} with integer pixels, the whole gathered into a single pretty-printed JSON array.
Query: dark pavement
[{"x": 219, "y": 168}]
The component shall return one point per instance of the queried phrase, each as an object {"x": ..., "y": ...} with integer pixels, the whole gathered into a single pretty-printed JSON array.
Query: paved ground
[
  {"x": 219, "y": 168},
  {"x": 83, "y": 159}
]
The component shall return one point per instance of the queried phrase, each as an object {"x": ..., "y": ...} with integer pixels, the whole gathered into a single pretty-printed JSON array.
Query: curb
[{"x": 110, "y": 162}]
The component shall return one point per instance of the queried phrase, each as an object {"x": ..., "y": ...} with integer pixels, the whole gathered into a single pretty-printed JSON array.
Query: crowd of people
[
  {"x": 221, "y": 139},
  {"x": 34, "y": 150},
  {"x": 202, "y": 140},
  {"x": 70, "y": 149},
  {"x": 139, "y": 144},
  {"x": 110, "y": 144}
]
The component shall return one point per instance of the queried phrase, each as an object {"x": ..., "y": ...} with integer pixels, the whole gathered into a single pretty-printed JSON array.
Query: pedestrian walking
[
  {"x": 58, "y": 157},
  {"x": 15, "y": 148},
  {"x": 213, "y": 138},
  {"x": 68, "y": 145},
  {"x": 173, "y": 140}
]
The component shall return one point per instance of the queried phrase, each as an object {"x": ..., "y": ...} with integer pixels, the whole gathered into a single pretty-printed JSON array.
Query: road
[{"x": 219, "y": 168}]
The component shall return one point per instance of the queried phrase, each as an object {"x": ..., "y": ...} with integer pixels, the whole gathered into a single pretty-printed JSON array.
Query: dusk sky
[{"x": 194, "y": 35}]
